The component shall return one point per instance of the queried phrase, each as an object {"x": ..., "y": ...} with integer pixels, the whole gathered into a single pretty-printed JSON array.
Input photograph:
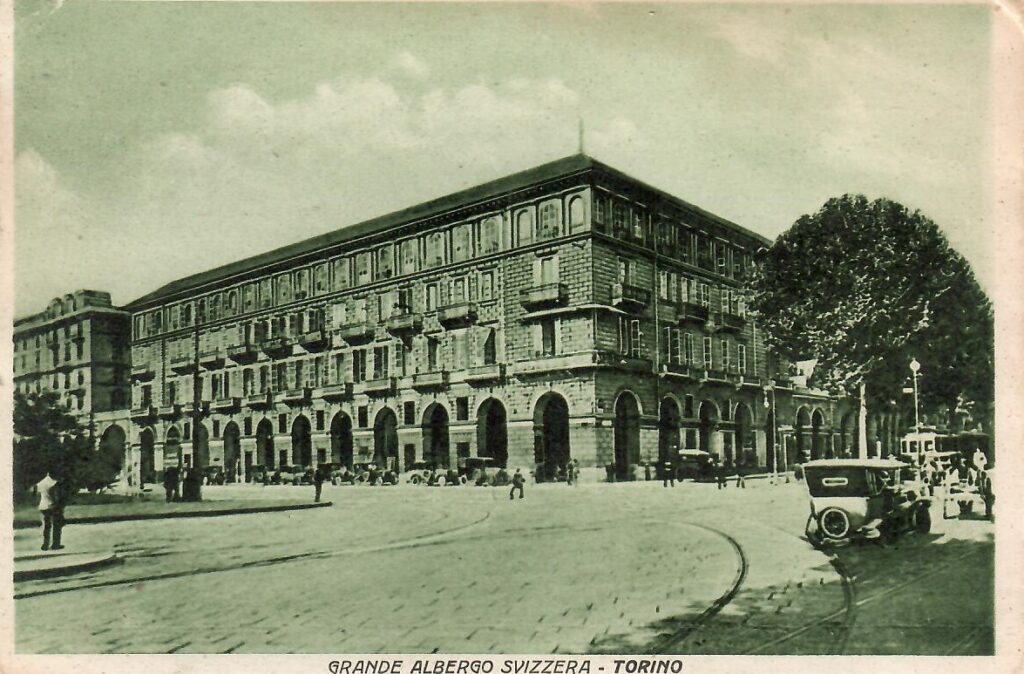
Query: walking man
[
  {"x": 171, "y": 482},
  {"x": 570, "y": 473},
  {"x": 720, "y": 473},
  {"x": 575, "y": 472},
  {"x": 52, "y": 499},
  {"x": 668, "y": 474},
  {"x": 517, "y": 483},
  {"x": 318, "y": 481}
]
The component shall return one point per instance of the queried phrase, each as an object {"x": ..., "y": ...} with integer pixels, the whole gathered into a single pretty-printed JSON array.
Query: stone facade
[{"x": 568, "y": 311}]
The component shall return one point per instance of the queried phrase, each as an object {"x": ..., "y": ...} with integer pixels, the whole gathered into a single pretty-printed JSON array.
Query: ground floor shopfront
[{"x": 612, "y": 421}]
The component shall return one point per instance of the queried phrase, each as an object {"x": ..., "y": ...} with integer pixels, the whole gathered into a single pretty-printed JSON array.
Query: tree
[
  {"x": 863, "y": 287},
  {"x": 48, "y": 438}
]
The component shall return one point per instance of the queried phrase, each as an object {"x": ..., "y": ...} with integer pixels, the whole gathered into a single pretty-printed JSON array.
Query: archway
[
  {"x": 147, "y": 458},
  {"x": 111, "y": 449},
  {"x": 435, "y": 434},
  {"x": 232, "y": 453},
  {"x": 551, "y": 449},
  {"x": 385, "y": 438},
  {"x": 817, "y": 442},
  {"x": 302, "y": 442},
  {"x": 746, "y": 452},
  {"x": 803, "y": 422},
  {"x": 172, "y": 447},
  {"x": 265, "y": 443},
  {"x": 492, "y": 431},
  {"x": 626, "y": 435},
  {"x": 708, "y": 416},
  {"x": 341, "y": 440},
  {"x": 668, "y": 433}
]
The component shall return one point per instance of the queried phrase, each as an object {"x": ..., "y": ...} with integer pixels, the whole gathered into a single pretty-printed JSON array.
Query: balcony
[
  {"x": 243, "y": 353},
  {"x": 359, "y": 332},
  {"x": 277, "y": 347},
  {"x": 714, "y": 377},
  {"x": 142, "y": 373},
  {"x": 405, "y": 324},
  {"x": 212, "y": 360},
  {"x": 457, "y": 315},
  {"x": 751, "y": 381},
  {"x": 172, "y": 411},
  {"x": 341, "y": 391},
  {"x": 692, "y": 312},
  {"x": 630, "y": 297},
  {"x": 259, "y": 401},
  {"x": 381, "y": 386},
  {"x": 544, "y": 296},
  {"x": 190, "y": 409},
  {"x": 430, "y": 380},
  {"x": 143, "y": 413},
  {"x": 482, "y": 374},
  {"x": 728, "y": 322},
  {"x": 183, "y": 364},
  {"x": 315, "y": 340},
  {"x": 679, "y": 371},
  {"x": 227, "y": 404},
  {"x": 295, "y": 396}
]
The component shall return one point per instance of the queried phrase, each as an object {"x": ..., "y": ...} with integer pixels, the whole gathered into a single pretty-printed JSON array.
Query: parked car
[
  {"x": 861, "y": 499},
  {"x": 213, "y": 475},
  {"x": 695, "y": 464},
  {"x": 419, "y": 472},
  {"x": 479, "y": 470},
  {"x": 371, "y": 474},
  {"x": 257, "y": 474}
]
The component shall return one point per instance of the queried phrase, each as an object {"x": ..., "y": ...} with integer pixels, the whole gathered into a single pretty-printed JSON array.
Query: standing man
[
  {"x": 53, "y": 497},
  {"x": 575, "y": 472},
  {"x": 318, "y": 481},
  {"x": 570, "y": 473},
  {"x": 668, "y": 474},
  {"x": 170, "y": 482},
  {"x": 517, "y": 483}
]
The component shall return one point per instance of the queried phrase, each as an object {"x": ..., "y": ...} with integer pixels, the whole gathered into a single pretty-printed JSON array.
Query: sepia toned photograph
[{"x": 565, "y": 329}]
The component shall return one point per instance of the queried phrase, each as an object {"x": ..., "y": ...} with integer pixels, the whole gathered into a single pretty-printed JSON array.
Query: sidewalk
[
  {"x": 52, "y": 564},
  {"x": 152, "y": 510}
]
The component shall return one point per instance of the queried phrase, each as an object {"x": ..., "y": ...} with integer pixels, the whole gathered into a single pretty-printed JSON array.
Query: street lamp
[
  {"x": 915, "y": 368},
  {"x": 775, "y": 435}
]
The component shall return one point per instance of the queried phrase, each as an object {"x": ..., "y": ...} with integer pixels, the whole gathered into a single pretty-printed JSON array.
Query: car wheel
[
  {"x": 415, "y": 479},
  {"x": 924, "y": 519},
  {"x": 834, "y": 523}
]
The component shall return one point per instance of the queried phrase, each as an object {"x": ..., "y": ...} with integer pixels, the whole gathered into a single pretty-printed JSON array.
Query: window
[
  {"x": 620, "y": 216},
  {"x": 705, "y": 295},
  {"x": 401, "y": 359},
  {"x": 363, "y": 416},
  {"x": 638, "y": 225},
  {"x": 490, "y": 236},
  {"x": 462, "y": 409},
  {"x": 320, "y": 279},
  {"x": 672, "y": 347},
  {"x": 339, "y": 367},
  {"x": 600, "y": 209},
  {"x": 380, "y": 362},
  {"x": 547, "y": 270},
  {"x": 460, "y": 350},
  {"x": 430, "y": 297},
  {"x": 458, "y": 290},
  {"x": 635, "y": 337},
  {"x": 687, "y": 355},
  {"x": 726, "y": 294},
  {"x": 576, "y": 214},
  {"x": 282, "y": 425},
  {"x": 725, "y": 355},
  {"x": 301, "y": 284},
  {"x": 363, "y": 262},
  {"x": 359, "y": 365},
  {"x": 385, "y": 305},
  {"x": 486, "y": 285},
  {"x": 359, "y": 310},
  {"x": 626, "y": 270},
  {"x": 549, "y": 346},
  {"x": 320, "y": 421},
  {"x": 524, "y": 227},
  {"x": 409, "y": 413},
  {"x": 385, "y": 259},
  {"x": 264, "y": 378},
  {"x": 247, "y": 382},
  {"x": 707, "y": 353},
  {"x": 741, "y": 358},
  {"x": 281, "y": 377},
  {"x": 432, "y": 348},
  {"x": 266, "y": 293},
  {"x": 284, "y": 289},
  {"x": 490, "y": 350},
  {"x": 300, "y": 374},
  {"x": 339, "y": 273},
  {"x": 435, "y": 250},
  {"x": 663, "y": 280},
  {"x": 461, "y": 243},
  {"x": 248, "y": 300},
  {"x": 408, "y": 255},
  {"x": 549, "y": 221},
  {"x": 403, "y": 305}
]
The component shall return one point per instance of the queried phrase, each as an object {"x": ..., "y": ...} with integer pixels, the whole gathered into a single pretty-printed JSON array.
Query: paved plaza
[{"x": 623, "y": 568}]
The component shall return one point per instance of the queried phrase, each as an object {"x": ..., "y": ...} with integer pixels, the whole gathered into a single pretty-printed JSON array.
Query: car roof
[{"x": 883, "y": 464}]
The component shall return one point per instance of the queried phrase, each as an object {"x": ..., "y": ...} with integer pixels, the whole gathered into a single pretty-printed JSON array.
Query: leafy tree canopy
[{"x": 863, "y": 287}]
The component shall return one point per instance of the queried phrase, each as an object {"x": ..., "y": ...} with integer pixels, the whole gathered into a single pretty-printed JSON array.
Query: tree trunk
[{"x": 862, "y": 423}]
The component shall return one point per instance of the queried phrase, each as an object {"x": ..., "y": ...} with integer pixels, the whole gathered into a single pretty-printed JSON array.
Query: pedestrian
[
  {"x": 517, "y": 483},
  {"x": 53, "y": 496},
  {"x": 979, "y": 460},
  {"x": 570, "y": 473},
  {"x": 318, "y": 482},
  {"x": 720, "y": 475},
  {"x": 741, "y": 482},
  {"x": 987, "y": 495},
  {"x": 171, "y": 483},
  {"x": 668, "y": 474},
  {"x": 575, "y": 472}
]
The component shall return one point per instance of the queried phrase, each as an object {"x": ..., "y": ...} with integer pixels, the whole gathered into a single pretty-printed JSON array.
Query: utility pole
[{"x": 197, "y": 401}]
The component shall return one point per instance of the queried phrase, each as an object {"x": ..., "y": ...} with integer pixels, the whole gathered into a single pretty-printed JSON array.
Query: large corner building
[{"x": 567, "y": 311}]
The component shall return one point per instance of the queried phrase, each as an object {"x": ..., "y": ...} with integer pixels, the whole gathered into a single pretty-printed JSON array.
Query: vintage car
[
  {"x": 696, "y": 465},
  {"x": 861, "y": 499},
  {"x": 479, "y": 470},
  {"x": 419, "y": 472},
  {"x": 372, "y": 474},
  {"x": 213, "y": 475}
]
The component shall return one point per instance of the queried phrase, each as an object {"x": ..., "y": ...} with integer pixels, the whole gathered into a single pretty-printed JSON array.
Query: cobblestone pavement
[{"x": 596, "y": 568}]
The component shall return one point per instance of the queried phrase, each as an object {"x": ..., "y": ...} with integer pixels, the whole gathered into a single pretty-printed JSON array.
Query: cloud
[{"x": 409, "y": 64}]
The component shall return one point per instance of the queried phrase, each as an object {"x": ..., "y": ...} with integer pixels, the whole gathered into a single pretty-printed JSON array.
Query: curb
[
  {"x": 102, "y": 519},
  {"x": 65, "y": 570}
]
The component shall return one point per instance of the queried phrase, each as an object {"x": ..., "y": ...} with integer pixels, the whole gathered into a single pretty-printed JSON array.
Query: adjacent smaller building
[{"x": 78, "y": 347}]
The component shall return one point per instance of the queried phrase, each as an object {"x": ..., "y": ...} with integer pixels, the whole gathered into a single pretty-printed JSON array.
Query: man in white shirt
[{"x": 51, "y": 507}]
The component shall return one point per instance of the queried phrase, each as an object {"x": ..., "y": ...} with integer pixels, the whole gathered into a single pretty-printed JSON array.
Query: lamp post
[
  {"x": 915, "y": 368},
  {"x": 775, "y": 435}
]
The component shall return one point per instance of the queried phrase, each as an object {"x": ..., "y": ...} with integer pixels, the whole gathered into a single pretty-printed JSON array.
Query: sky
[{"x": 158, "y": 139}]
